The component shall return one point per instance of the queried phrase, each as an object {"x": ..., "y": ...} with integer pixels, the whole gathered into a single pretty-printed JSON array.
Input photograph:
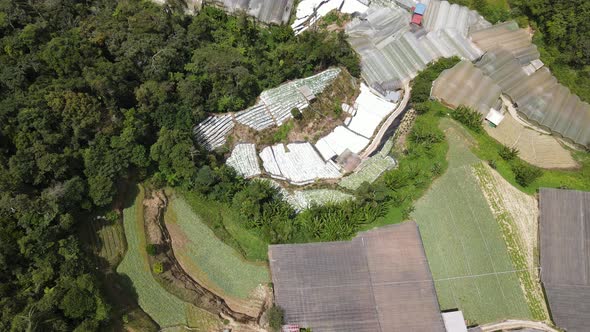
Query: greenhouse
[
  {"x": 508, "y": 36},
  {"x": 465, "y": 84},
  {"x": 539, "y": 97},
  {"x": 298, "y": 163},
  {"x": 212, "y": 132},
  {"x": 244, "y": 160},
  {"x": 443, "y": 15},
  {"x": 390, "y": 52},
  {"x": 256, "y": 117},
  {"x": 338, "y": 141},
  {"x": 371, "y": 110}
]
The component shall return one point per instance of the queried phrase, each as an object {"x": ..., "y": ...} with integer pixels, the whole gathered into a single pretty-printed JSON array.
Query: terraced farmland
[
  {"x": 213, "y": 263},
  {"x": 466, "y": 252},
  {"x": 163, "y": 307}
]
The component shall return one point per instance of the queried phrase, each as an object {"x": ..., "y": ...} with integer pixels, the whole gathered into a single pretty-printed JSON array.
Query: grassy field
[
  {"x": 163, "y": 307},
  {"x": 225, "y": 222},
  {"x": 207, "y": 258},
  {"x": 466, "y": 252}
]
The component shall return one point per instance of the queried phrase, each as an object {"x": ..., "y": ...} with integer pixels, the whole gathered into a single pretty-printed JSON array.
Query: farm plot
[
  {"x": 213, "y": 263},
  {"x": 371, "y": 168},
  {"x": 244, "y": 160},
  {"x": 466, "y": 252},
  {"x": 106, "y": 239},
  {"x": 163, "y": 307},
  {"x": 536, "y": 148}
]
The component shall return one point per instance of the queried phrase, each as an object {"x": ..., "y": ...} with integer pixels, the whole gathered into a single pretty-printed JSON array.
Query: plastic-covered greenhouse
[
  {"x": 539, "y": 97},
  {"x": 391, "y": 52},
  {"x": 508, "y": 36},
  {"x": 465, "y": 84}
]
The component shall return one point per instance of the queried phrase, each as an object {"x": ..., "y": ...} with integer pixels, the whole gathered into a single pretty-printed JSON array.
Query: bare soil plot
[
  {"x": 215, "y": 265},
  {"x": 466, "y": 251},
  {"x": 536, "y": 148}
]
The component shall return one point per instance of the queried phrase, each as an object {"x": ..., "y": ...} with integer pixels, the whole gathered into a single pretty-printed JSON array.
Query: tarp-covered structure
[
  {"x": 378, "y": 282},
  {"x": 390, "y": 52},
  {"x": 539, "y": 98},
  {"x": 565, "y": 256},
  {"x": 465, "y": 84},
  {"x": 268, "y": 11}
]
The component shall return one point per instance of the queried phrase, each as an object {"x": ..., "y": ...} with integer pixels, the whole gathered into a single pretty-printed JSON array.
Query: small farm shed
[
  {"x": 378, "y": 282},
  {"x": 565, "y": 256},
  {"x": 454, "y": 321}
]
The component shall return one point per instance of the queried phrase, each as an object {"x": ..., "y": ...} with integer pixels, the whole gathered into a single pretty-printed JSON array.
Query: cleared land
[
  {"x": 538, "y": 149},
  {"x": 466, "y": 252},
  {"x": 163, "y": 307},
  {"x": 213, "y": 263}
]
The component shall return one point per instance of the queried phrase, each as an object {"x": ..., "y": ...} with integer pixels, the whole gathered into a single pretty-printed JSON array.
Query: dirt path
[
  {"x": 517, "y": 324},
  {"x": 383, "y": 130}
]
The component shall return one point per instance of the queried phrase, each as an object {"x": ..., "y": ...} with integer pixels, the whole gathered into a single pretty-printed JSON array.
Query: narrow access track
[
  {"x": 517, "y": 324},
  {"x": 376, "y": 141}
]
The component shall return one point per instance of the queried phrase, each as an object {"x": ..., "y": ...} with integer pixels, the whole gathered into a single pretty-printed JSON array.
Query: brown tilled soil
[{"x": 536, "y": 148}]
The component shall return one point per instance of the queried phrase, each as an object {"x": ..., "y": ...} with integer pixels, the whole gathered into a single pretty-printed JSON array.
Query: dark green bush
[
  {"x": 469, "y": 117},
  {"x": 275, "y": 317},
  {"x": 525, "y": 174},
  {"x": 507, "y": 153}
]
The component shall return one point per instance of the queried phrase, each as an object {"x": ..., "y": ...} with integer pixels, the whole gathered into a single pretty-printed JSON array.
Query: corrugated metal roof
[
  {"x": 380, "y": 281},
  {"x": 420, "y": 9},
  {"x": 565, "y": 256}
]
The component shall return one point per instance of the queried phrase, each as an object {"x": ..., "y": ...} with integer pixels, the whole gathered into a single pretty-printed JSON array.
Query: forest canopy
[{"x": 96, "y": 94}]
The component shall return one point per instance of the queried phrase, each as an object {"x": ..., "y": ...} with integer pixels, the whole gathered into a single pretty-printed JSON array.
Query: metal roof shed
[
  {"x": 420, "y": 9},
  {"x": 378, "y": 282}
]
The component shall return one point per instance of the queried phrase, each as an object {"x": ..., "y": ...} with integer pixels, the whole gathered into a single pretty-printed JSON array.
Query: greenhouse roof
[
  {"x": 564, "y": 229},
  {"x": 508, "y": 36},
  {"x": 390, "y": 52},
  {"x": 380, "y": 281},
  {"x": 465, "y": 84},
  {"x": 539, "y": 97}
]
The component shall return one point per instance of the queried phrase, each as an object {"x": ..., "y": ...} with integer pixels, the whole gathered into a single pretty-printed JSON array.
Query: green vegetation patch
[
  {"x": 204, "y": 254},
  {"x": 163, "y": 307},
  {"x": 466, "y": 252},
  {"x": 227, "y": 224}
]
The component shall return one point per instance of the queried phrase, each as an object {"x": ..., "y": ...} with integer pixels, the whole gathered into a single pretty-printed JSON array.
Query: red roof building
[{"x": 417, "y": 19}]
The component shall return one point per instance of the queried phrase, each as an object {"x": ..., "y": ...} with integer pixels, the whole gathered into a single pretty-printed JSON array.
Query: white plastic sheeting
[
  {"x": 256, "y": 117},
  {"x": 303, "y": 199},
  {"x": 298, "y": 163},
  {"x": 212, "y": 132},
  {"x": 371, "y": 111},
  {"x": 340, "y": 140},
  {"x": 244, "y": 160}
]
